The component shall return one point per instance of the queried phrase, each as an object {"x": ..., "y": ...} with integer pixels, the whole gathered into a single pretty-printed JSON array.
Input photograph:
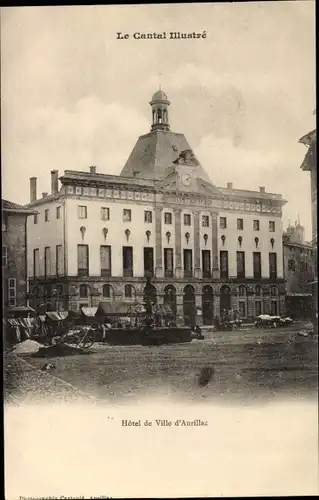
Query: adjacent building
[
  {"x": 309, "y": 164},
  {"x": 161, "y": 228},
  {"x": 299, "y": 271},
  {"x": 14, "y": 255}
]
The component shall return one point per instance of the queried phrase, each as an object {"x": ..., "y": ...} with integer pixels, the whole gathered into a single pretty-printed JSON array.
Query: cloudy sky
[{"x": 73, "y": 95}]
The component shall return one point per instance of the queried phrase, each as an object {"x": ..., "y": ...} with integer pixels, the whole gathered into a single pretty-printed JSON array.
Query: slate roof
[
  {"x": 9, "y": 206},
  {"x": 154, "y": 153}
]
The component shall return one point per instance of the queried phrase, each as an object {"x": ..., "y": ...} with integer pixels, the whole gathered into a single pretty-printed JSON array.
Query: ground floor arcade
[{"x": 190, "y": 302}]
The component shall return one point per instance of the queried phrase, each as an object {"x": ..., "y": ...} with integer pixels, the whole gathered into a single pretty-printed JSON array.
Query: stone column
[
  {"x": 215, "y": 257},
  {"x": 282, "y": 305},
  {"x": 178, "y": 244},
  {"x": 199, "y": 308},
  {"x": 266, "y": 303},
  {"x": 251, "y": 311},
  {"x": 160, "y": 298},
  {"x": 216, "y": 304},
  {"x": 159, "y": 269},
  {"x": 234, "y": 301},
  {"x": 197, "y": 268},
  {"x": 179, "y": 309}
]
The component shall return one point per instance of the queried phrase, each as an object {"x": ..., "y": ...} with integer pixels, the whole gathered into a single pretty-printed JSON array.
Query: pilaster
[
  {"x": 178, "y": 244},
  {"x": 215, "y": 259},
  {"x": 159, "y": 270},
  {"x": 199, "y": 308},
  {"x": 179, "y": 309},
  {"x": 216, "y": 304},
  {"x": 197, "y": 267},
  {"x": 251, "y": 306}
]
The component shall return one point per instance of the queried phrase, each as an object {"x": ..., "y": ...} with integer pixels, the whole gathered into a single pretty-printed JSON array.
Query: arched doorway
[
  {"x": 149, "y": 296},
  {"x": 225, "y": 298},
  {"x": 170, "y": 298},
  {"x": 189, "y": 308},
  {"x": 207, "y": 304}
]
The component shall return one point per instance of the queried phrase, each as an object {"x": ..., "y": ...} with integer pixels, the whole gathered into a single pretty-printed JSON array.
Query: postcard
[{"x": 159, "y": 255}]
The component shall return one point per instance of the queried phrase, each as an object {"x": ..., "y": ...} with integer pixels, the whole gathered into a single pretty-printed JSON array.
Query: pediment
[
  {"x": 170, "y": 183},
  {"x": 207, "y": 189}
]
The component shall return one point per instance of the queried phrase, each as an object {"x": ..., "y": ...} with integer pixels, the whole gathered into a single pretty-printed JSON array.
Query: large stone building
[
  {"x": 299, "y": 271},
  {"x": 14, "y": 256},
  {"x": 205, "y": 248}
]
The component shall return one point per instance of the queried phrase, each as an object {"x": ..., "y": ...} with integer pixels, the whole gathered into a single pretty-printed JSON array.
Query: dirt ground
[{"x": 248, "y": 365}]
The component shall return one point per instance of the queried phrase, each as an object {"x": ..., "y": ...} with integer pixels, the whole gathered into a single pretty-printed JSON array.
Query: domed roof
[{"x": 160, "y": 96}]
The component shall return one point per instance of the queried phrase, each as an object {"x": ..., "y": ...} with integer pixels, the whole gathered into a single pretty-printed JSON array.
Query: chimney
[
  {"x": 229, "y": 185},
  {"x": 262, "y": 189},
  {"x": 92, "y": 170},
  {"x": 54, "y": 181},
  {"x": 44, "y": 195},
  {"x": 33, "y": 189}
]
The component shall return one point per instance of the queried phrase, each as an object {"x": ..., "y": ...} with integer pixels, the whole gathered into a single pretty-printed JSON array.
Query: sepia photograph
[{"x": 159, "y": 250}]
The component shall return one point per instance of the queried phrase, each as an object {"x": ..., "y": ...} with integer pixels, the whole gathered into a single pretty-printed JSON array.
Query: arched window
[
  {"x": 129, "y": 292},
  {"x": 258, "y": 290},
  {"x": 150, "y": 293},
  {"x": 107, "y": 291},
  {"x": 274, "y": 291},
  {"x": 84, "y": 291},
  {"x": 170, "y": 297},
  {"x": 242, "y": 291}
]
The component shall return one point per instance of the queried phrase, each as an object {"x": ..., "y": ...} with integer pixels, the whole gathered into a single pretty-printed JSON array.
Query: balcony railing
[
  {"x": 207, "y": 274},
  {"x": 83, "y": 272},
  {"x": 241, "y": 275},
  {"x": 106, "y": 273},
  {"x": 168, "y": 273},
  {"x": 127, "y": 273},
  {"x": 148, "y": 273},
  {"x": 188, "y": 273}
]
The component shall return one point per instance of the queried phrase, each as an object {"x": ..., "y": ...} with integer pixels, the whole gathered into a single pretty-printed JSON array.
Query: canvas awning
[
  {"x": 57, "y": 316},
  {"x": 298, "y": 295},
  {"x": 21, "y": 309},
  {"x": 115, "y": 308},
  {"x": 89, "y": 311}
]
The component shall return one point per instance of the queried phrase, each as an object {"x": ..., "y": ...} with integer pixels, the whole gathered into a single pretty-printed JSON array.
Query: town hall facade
[{"x": 160, "y": 228}]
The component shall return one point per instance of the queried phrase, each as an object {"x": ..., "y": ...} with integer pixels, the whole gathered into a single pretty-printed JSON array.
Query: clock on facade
[{"x": 186, "y": 179}]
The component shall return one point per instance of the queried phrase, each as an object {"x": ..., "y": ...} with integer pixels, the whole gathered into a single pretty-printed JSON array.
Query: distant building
[
  {"x": 299, "y": 271},
  {"x": 14, "y": 255},
  {"x": 99, "y": 237}
]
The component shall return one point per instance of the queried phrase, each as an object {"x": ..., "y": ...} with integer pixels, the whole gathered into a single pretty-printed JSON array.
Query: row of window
[
  {"x": 47, "y": 215},
  {"x": 148, "y": 217},
  {"x": 240, "y": 261},
  {"x": 59, "y": 261},
  {"x": 127, "y": 262},
  {"x": 240, "y": 224}
]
